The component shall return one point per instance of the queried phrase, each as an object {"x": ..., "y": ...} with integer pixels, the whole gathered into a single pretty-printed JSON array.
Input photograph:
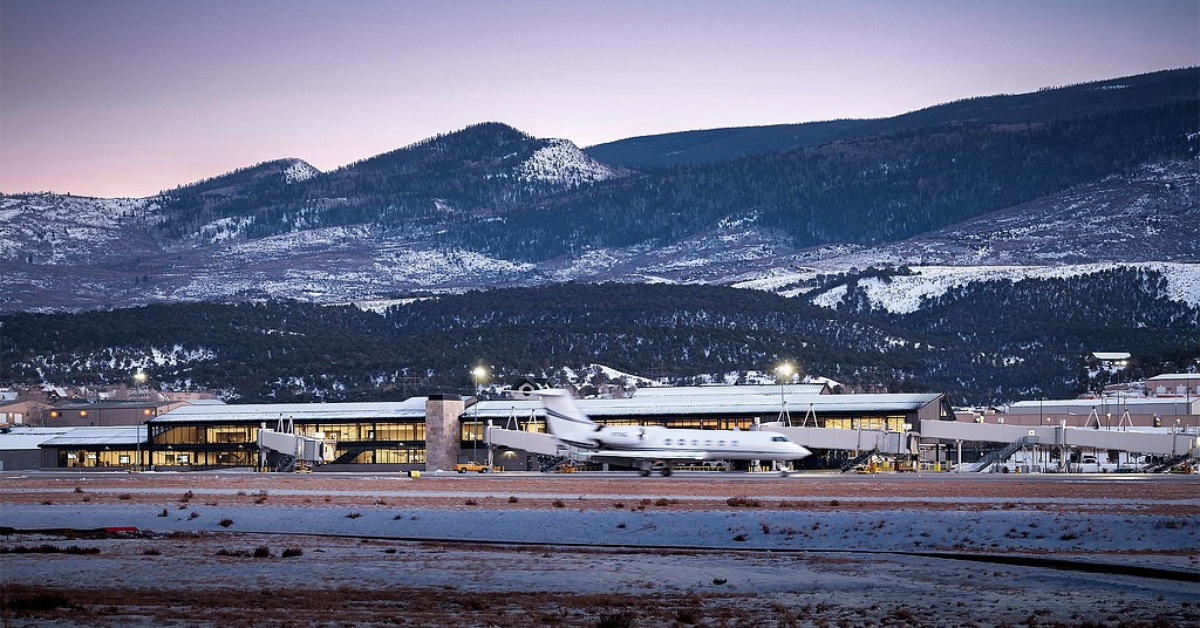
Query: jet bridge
[
  {"x": 284, "y": 450},
  {"x": 532, "y": 442},
  {"x": 1161, "y": 443}
]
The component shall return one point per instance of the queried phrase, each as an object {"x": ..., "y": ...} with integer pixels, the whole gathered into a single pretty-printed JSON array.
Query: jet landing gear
[{"x": 645, "y": 468}]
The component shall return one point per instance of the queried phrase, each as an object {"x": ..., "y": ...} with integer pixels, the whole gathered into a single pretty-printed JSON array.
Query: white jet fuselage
[{"x": 683, "y": 444}]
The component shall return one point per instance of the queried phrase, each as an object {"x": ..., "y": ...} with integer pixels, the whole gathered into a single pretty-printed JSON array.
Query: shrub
[
  {"x": 743, "y": 502},
  {"x": 740, "y": 538},
  {"x": 164, "y": 513},
  {"x": 834, "y": 502},
  {"x": 354, "y": 515},
  {"x": 558, "y": 503},
  {"x": 262, "y": 551},
  {"x": 616, "y": 620},
  {"x": 37, "y": 602},
  {"x": 225, "y": 523},
  {"x": 471, "y": 502},
  {"x": 513, "y": 499},
  {"x": 187, "y": 496},
  {"x": 619, "y": 505},
  {"x": 663, "y": 501},
  {"x": 125, "y": 496},
  {"x": 47, "y": 548},
  {"x": 292, "y": 552},
  {"x": 78, "y": 489}
]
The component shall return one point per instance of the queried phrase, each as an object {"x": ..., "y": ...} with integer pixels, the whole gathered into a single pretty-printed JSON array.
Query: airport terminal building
[{"x": 435, "y": 432}]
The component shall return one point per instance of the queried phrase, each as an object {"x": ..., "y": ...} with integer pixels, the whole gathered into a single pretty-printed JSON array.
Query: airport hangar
[{"x": 436, "y": 432}]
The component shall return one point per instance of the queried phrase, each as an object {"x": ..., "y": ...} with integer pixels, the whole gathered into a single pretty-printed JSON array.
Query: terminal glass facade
[{"x": 236, "y": 445}]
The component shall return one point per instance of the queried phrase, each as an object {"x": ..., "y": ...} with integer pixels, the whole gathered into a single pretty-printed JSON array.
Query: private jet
[{"x": 658, "y": 448}]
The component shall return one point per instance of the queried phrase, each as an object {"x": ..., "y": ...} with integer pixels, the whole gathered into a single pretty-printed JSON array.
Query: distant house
[
  {"x": 1111, "y": 360},
  {"x": 525, "y": 386},
  {"x": 1175, "y": 385},
  {"x": 108, "y": 413},
  {"x": 24, "y": 412}
]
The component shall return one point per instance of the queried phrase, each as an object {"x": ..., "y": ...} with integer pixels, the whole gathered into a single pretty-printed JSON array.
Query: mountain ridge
[
  {"x": 491, "y": 206},
  {"x": 678, "y": 147}
]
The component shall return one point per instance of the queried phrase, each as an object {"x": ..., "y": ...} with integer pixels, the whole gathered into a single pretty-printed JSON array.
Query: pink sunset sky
[{"x": 130, "y": 97}]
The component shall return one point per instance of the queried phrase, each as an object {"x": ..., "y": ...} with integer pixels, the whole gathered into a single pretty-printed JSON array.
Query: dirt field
[{"x": 241, "y": 549}]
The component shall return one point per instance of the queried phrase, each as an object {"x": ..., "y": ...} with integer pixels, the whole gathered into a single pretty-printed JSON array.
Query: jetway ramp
[
  {"x": 532, "y": 442},
  {"x": 291, "y": 450},
  {"x": 1160, "y": 443}
]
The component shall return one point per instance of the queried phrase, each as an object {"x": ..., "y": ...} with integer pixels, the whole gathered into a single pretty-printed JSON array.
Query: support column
[{"x": 443, "y": 431}]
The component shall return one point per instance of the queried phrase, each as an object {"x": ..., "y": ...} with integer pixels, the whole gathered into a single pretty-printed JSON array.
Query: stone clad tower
[{"x": 443, "y": 431}]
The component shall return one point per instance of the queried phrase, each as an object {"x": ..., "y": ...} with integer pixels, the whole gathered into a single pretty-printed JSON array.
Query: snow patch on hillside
[
  {"x": 286, "y": 244},
  {"x": 905, "y": 294},
  {"x": 59, "y": 229},
  {"x": 300, "y": 170},
  {"x": 562, "y": 162},
  {"x": 225, "y": 229},
  {"x": 438, "y": 266}
]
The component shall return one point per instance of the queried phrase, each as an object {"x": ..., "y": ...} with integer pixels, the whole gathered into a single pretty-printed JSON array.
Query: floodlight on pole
[
  {"x": 480, "y": 375},
  {"x": 784, "y": 373}
]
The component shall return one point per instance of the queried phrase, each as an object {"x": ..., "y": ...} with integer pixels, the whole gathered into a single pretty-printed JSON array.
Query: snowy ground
[{"x": 821, "y": 550}]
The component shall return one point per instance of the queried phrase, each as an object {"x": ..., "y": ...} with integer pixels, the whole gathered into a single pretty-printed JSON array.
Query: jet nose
[{"x": 801, "y": 451}]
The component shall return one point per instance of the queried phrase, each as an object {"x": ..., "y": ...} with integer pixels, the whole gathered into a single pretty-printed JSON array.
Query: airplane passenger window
[
  {"x": 735, "y": 443},
  {"x": 667, "y": 442},
  {"x": 695, "y": 443},
  {"x": 708, "y": 443},
  {"x": 720, "y": 443}
]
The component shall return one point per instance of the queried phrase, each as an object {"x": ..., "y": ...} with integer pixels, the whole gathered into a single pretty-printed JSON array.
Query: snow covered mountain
[
  {"x": 1065, "y": 181},
  {"x": 59, "y": 252}
]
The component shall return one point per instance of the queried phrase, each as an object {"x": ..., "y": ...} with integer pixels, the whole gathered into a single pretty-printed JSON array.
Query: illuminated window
[{"x": 82, "y": 413}]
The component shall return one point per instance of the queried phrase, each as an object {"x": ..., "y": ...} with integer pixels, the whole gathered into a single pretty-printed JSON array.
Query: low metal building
[
  {"x": 19, "y": 446},
  {"x": 93, "y": 448}
]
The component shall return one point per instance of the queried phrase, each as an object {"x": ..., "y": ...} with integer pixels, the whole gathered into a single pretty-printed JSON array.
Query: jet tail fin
[{"x": 562, "y": 416}]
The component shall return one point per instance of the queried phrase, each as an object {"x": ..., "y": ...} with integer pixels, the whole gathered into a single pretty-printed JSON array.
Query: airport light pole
[
  {"x": 783, "y": 373},
  {"x": 480, "y": 375},
  {"x": 139, "y": 380}
]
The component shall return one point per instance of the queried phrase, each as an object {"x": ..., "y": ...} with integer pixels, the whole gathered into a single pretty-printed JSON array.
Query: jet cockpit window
[{"x": 779, "y": 439}]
